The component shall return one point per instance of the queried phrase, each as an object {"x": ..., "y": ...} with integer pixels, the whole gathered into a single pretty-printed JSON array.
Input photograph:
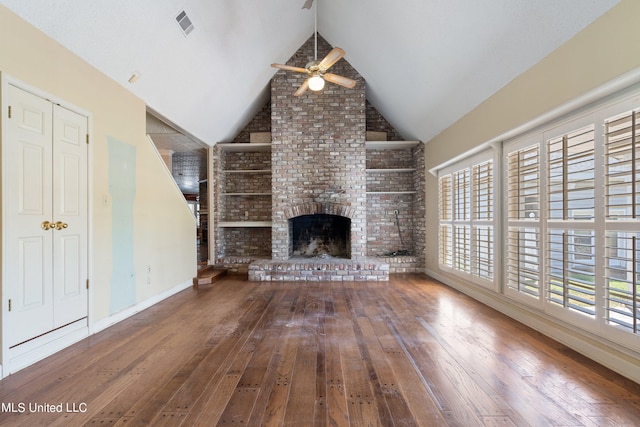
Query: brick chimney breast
[{"x": 318, "y": 154}]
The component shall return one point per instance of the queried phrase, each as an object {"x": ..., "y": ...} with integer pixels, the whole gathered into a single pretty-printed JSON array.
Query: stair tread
[{"x": 209, "y": 275}]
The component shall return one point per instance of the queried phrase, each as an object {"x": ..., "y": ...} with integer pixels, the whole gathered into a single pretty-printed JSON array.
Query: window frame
[
  {"x": 461, "y": 224},
  {"x": 599, "y": 226},
  {"x": 514, "y": 225}
]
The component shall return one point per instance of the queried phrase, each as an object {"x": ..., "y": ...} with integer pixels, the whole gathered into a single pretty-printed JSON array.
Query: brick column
[{"x": 318, "y": 148}]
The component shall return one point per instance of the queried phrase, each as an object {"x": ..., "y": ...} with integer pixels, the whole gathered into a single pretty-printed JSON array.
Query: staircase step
[{"x": 208, "y": 275}]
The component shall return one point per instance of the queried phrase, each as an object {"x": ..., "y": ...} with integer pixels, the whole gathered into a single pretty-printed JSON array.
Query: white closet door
[
  {"x": 70, "y": 215},
  {"x": 29, "y": 255}
]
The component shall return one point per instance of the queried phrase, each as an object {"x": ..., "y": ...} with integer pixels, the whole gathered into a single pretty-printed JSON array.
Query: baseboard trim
[
  {"x": 143, "y": 305},
  {"x": 619, "y": 359},
  {"x": 42, "y": 347}
]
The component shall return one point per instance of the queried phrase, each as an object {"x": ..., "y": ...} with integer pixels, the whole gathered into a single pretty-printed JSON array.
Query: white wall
[{"x": 164, "y": 236}]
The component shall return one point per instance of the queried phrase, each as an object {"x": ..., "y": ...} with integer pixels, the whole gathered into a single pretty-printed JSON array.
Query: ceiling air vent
[{"x": 184, "y": 22}]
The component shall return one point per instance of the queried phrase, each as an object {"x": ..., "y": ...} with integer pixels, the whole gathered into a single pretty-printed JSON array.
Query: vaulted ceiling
[{"x": 426, "y": 62}]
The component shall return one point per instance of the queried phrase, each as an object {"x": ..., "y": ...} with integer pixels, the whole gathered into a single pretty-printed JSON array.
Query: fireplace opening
[{"x": 320, "y": 235}]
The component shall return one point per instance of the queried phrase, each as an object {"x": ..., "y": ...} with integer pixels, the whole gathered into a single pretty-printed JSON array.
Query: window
[
  {"x": 466, "y": 219},
  {"x": 622, "y": 169},
  {"x": 622, "y": 280},
  {"x": 446, "y": 233},
  {"x": 570, "y": 220},
  {"x": 523, "y": 221},
  {"x": 622, "y": 214},
  {"x": 482, "y": 175}
]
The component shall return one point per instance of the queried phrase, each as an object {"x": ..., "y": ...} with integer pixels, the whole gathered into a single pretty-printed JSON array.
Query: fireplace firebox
[{"x": 320, "y": 235}]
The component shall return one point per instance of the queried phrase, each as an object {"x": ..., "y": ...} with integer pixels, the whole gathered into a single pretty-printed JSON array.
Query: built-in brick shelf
[{"x": 319, "y": 270}]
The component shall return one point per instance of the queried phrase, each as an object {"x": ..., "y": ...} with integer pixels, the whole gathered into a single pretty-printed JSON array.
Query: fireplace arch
[{"x": 313, "y": 208}]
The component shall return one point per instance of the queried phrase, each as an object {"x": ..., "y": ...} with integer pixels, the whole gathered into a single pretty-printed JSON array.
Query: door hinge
[
  {"x": 87, "y": 283},
  {"x": 87, "y": 138},
  {"x": 9, "y": 304},
  {"x": 9, "y": 111}
]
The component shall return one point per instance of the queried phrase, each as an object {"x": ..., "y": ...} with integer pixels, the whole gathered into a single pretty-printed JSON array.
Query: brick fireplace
[
  {"x": 318, "y": 149},
  {"x": 317, "y": 172}
]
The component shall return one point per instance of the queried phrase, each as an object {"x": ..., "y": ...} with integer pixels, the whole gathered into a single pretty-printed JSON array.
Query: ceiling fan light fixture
[{"x": 316, "y": 83}]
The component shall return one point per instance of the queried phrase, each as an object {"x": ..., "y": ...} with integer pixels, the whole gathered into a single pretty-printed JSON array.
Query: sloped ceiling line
[{"x": 426, "y": 62}]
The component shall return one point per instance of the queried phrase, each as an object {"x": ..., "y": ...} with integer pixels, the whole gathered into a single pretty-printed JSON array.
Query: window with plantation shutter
[
  {"x": 523, "y": 221},
  {"x": 466, "y": 238},
  {"x": 622, "y": 214},
  {"x": 524, "y": 183},
  {"x": 622, "y": 167},
  {"x": 482, "y": 197},
  {"x": 570, "y": 219},
  {"x": 461, "y": 215},
  {"x": 570, "y": 184},
  {"x": 571, "y": 270},
  {"x": 523, "y": 262},
  {"x": 622, "y": 280},
  {"x": 446, "y": 233},
  {"x": 570, "y": 240}
]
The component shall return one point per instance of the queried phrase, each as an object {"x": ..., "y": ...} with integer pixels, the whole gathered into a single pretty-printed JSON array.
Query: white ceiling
[{"x": 426, "y": 62}]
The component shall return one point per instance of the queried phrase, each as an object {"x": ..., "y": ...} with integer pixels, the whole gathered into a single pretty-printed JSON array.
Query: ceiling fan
[{"x": 317, "y": 70}]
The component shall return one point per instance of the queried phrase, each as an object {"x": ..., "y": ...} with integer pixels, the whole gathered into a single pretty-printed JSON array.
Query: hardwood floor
[{"x": 238, "y": 353}]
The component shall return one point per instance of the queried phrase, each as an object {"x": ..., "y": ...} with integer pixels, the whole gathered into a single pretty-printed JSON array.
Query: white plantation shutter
[
  {"x": 523, "y": 258},
  {"x": 483, "y": 191},
  {"x": 570, "y": 240},
  {"x": 446, "y": 228},
  {"x": 622, "y": 167},
  {"x": 482, "y": 197},
  {"x": 570, "y": 184},
  {"x": 461, "y": 216},
  {"x": 523, "y": 187},
  {"x": 462, "y": 248},
  {"x": 461, "y": 195},
  {"x": 523, "y": 261},
  {"x": 571, "y": 220},
  {"x": 483, "y": 251},
  {"x": 571, "y": 270},
  {"x": 466, "y": 238},
  {"x": 622, "y": 215},
  {"x": 622, "y": 280}
]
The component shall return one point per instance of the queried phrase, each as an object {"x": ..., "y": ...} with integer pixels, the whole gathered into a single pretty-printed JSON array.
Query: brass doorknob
[
  {"x": 46, "y": 225},
  {"x": 60, "y": 225}
]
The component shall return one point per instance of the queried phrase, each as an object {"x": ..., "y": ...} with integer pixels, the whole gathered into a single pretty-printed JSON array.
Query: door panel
[
  {"x": 32, "y": 253},
  {"x": 31, "y": 195},
  {"x": 33, "y": 305},
  {"x": 70, "y": 174},
  {"x": 29, "y": 255}
]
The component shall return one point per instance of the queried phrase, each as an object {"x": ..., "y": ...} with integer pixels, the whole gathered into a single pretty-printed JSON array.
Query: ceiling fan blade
[
  {"x": 339, "y": 80},
  {"x": 331, "y": 58},
  {"x": 303, "y": 88},
  {"x": 290, "y": 68}
]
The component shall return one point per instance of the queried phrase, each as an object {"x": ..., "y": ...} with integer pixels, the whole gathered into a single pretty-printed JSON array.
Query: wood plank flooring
[{"x": 410, "y": 352}]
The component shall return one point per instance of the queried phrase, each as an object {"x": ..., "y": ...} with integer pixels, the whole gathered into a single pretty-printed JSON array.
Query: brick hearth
[{"x": 316, "y": 270}]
